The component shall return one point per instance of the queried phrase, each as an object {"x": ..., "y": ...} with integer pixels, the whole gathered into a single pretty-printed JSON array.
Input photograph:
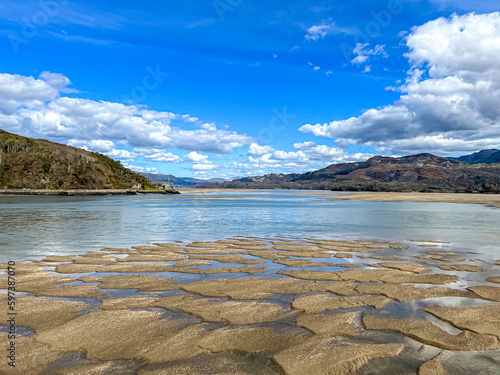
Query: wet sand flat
[
  {"x": 208, "y": 191},
  {"x": 298, "y": 308},
  {"x": 491, "y": 200}
]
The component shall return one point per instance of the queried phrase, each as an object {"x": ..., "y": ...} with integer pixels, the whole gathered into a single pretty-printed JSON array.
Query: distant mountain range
[
  {"x": 41, "y": 164},
  {"x": 484, "y": 156},
  {"x": 422, "y": 172}
]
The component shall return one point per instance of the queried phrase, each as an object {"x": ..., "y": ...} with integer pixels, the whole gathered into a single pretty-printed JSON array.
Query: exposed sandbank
[
  {"x": 490, "y": 200},
  {"x": 174, "y": 309}
]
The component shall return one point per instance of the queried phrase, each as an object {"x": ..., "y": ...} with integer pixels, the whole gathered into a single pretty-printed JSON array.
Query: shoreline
[
  {"x": 86, "y": 192},
  {"x": 335, "y": 296},
  {"x": 78, "y": 192},
  {"x": 489, "y": 200}
]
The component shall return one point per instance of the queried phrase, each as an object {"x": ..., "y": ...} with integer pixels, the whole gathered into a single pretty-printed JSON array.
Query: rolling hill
[
  {"x": 41, "y": 164},
  {"x": 484, "y": 156},
  {"x": 422, "y": 172}
]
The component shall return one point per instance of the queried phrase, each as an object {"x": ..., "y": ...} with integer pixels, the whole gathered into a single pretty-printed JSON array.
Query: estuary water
[{"x": 32, "y": 227}]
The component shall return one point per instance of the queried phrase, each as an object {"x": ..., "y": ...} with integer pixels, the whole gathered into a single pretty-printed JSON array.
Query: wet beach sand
[
  {"x": 249, "y": 305},
  {"x": 490, "y": 200}
]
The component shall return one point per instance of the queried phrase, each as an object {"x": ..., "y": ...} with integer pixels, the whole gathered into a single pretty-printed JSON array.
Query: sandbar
[
  {"x": 490, "y": 200},
  {"x": 165, "y": 308}
]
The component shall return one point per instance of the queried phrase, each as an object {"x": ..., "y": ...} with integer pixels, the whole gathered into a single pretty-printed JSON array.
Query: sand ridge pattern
[{"x": 249, "y": 305}]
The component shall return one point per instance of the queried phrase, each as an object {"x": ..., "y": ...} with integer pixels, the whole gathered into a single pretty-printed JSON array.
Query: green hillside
[{"x": 41, "y": 164}]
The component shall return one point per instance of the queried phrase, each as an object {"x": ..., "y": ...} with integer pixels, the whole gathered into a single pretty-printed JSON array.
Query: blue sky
[{"x": 231, "y": 88}]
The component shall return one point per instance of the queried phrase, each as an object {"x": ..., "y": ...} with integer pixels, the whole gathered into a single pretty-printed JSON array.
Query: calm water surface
[{"x": 32, "y": 227}]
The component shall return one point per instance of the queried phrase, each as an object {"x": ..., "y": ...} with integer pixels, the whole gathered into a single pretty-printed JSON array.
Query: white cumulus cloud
[
  {"x": 308, "y": 155},
  {"x": 34, "y": 107},
  {"x": 194, "y": 157},
  {"x": 137, "y": 168},
  {"x": 163, "y": 157},
  {"x": 258, "y": 150},
  {"x": 449, "y": 103}
]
